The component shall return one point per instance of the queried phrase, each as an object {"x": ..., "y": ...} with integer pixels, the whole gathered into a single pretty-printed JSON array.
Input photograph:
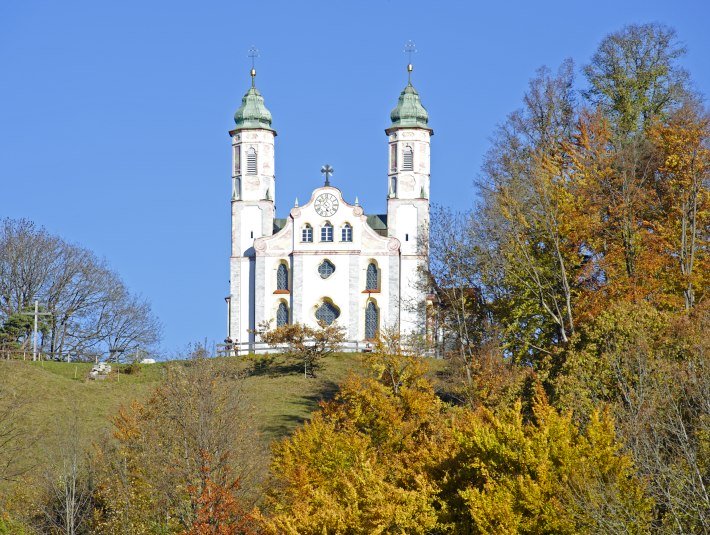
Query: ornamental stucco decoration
[
  {"x": 357, "y": 211},
  {"x": 393, "y": 245},
  {"x": 260, "y": 245},
  {"x": 295, "y": 212}
]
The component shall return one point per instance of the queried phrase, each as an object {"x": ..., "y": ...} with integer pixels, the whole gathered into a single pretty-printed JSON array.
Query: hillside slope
[{"x": 53, "y": 394}]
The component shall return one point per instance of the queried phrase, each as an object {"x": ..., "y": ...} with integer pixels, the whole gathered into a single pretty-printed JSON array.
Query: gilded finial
[{"x": 253, "y": 54}]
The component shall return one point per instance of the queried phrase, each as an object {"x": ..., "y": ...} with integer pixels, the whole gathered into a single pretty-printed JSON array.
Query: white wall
[{"x": 346, "y": 286}]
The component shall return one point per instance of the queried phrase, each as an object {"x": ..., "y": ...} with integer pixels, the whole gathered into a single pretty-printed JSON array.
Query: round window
[
  {"x": 327, "y": 313},
  {"x": 326, "y": 269}
]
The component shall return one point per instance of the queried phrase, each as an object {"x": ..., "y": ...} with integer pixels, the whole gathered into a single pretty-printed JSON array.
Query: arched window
[
  {"x": 347, "y": 233},
  {"x": 326, "y": 232},
  {"x": 237, "y": 160},
  {"x": 371, "y": 276},
  {"x": 393, "y": 158},
  {"x": 282, "y": 314},
  {"x": 372, "y": 321},
  {"x": 327, "y": 313},
  {"x": 282, "y": 277},
  {"x": 307, "y": 234},
  {"x": 393, "y": 186},
  {"x": 408, "y": 159},
  {"x": 326, "y": 269},
  {"x": 251, "y": 161}
]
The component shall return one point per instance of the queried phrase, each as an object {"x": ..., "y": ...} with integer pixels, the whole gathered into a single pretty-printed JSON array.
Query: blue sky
[{"x": 114, "y": 115}]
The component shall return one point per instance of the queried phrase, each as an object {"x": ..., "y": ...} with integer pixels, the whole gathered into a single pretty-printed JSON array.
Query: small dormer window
[
  {"x": 347, "y": 232},
  {"x": 408, "y": 159},
  {"x": 251, "y": 161}
]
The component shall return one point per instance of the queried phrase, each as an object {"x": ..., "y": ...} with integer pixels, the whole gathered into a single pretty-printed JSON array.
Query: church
[{"x": 329, "y": 260}]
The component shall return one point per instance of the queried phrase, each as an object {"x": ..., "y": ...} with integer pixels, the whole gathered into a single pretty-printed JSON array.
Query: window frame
[
  {"x": 368, "y": 279},
  {"x": 371, "y": 307},
  {"x": 281, "y": 272},
  {"x": 346, "y": 228},
  {"x": 328, "y": 304},
  {"x": 307, "y": 229},
  {"x": 282, "y": 307},
  {"x": 326, "y": 262},
  {"x": 326, "y": 231}
]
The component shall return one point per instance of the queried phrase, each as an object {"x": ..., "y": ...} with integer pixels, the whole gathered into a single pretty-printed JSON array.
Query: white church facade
[{"x": 328, "y": 260}]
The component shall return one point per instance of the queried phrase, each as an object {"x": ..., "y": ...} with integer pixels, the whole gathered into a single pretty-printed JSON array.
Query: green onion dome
[
  {"x": 253, "y": 113},
  {"x": 409, "y": 112}
]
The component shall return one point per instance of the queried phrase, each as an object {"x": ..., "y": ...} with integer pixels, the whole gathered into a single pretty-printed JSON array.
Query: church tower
[
  {"x": 253, "y": 196},
  {"x": 408, "y": 201}
]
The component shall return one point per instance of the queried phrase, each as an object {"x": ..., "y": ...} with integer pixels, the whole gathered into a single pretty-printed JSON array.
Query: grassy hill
[
  {"x": 278, "y": 395},
  {"x": 54, "y": 394}
]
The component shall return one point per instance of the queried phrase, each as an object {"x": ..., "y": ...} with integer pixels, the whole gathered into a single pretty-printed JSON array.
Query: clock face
[{"x": 326, "y": 204}]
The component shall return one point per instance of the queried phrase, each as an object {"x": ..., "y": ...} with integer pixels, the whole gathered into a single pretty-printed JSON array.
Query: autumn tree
[
  {"x": 682, "y": 200},
  {"x": 528, "y": 256},
  {"x": 303, "y": 342},
  {"x": 184, "y": 460},
  {"x": 635, "y": 81},
  {"x": 544, "y": 475},
  {"x": 389, "y": 457},
  {"x": 360, "y": 464},
  {"x": 393, "y": 362},
  {"x": 66, "y": 504},
  {"x": 460, "y": 311},
  {"x": 651, "y": 368}
]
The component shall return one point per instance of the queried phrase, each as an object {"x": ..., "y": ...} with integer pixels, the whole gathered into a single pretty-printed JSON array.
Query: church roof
[
  {"x": 279, "y": 223},
  {"x": 409, "y": 112},
  {"x": 253, "y": 113},
  {"x": 378, "y": 223}
]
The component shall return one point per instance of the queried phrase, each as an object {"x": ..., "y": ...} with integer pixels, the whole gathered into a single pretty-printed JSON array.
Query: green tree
[
  {"x": 634, "y": 75},
  {"x": 528, "y": 255}
]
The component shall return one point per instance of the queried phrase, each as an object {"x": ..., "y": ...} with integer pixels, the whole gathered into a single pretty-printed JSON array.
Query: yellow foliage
[
  {"x": 376, "y": 461},
  {"x": 545, "y": 476},
  {"x": 359, "y": 466}
]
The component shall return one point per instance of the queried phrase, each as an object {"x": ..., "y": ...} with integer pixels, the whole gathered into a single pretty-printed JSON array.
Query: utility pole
[{"x": 36, "y": 314}]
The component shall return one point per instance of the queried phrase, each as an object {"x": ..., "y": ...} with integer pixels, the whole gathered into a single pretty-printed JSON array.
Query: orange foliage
[{"x": 217, "y": 512}]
